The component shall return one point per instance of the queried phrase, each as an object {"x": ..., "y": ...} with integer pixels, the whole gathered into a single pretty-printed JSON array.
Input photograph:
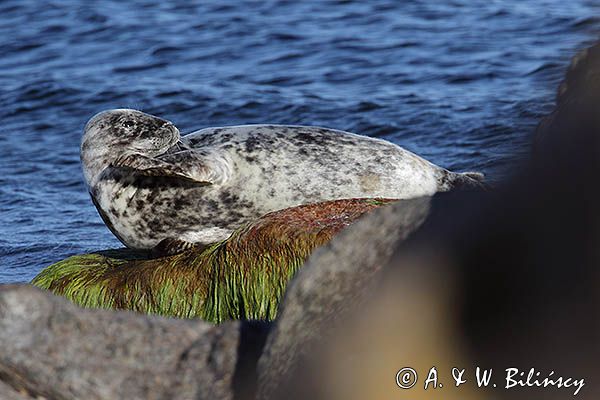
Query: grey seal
[{"x": 157, "y": 189}]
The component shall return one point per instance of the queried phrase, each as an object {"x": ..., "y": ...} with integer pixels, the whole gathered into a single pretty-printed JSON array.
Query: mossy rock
[{"x": 243, "y": 277}]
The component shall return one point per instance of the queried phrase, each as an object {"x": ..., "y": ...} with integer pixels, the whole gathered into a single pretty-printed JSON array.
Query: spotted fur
[{"x": 150, "y": 185}]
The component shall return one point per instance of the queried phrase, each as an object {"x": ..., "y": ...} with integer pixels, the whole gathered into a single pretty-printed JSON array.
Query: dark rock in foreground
[
  {"x": 55, "y": 350},
  {"x": 338, "y": 277}
]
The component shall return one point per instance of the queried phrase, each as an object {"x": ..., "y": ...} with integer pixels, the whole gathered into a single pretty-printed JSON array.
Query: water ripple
[{"x": 461, "y": 82}]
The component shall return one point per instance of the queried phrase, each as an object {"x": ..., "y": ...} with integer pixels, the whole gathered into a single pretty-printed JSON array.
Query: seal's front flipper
[
  {"x": 148, "y": 166},
  {"x": 172, "y": 246}
]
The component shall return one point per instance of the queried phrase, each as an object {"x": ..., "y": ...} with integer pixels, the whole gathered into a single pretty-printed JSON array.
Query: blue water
[{"x": 460, "y": 82}]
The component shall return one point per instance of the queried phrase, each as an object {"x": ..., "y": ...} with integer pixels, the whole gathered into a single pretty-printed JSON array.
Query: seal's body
[{"x": 150, "y": 185}]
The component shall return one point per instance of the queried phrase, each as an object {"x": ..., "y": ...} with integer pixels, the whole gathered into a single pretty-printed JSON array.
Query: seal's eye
[{"x": 128, "y": 124}]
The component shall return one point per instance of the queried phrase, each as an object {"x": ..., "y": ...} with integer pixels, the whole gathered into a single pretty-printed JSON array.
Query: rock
[
  {"x": 335, "y": 278},
  {"x": 579, "y": 89},
  {"x": 55, "y": 350},
  {"x": 241, "y": 278}
]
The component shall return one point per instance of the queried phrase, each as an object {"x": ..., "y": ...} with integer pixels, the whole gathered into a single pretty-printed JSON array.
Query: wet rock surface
[{"x": 242, "y": 277}]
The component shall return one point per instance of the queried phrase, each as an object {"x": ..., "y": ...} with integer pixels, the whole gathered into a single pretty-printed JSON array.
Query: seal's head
[{"x": 110, "y": 134}]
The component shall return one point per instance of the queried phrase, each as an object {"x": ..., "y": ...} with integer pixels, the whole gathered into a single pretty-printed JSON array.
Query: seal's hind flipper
[
  {"x": 147, "y": 166},
  {"x": 172, "y": 246},
  {"x": 448, "y": 180},
  {"x": 469, "y": 181},
  {"x": 478, "y": 176}
]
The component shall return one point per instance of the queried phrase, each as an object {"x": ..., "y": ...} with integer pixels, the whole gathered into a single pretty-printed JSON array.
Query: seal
[{"x": 158, "y": 190}]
